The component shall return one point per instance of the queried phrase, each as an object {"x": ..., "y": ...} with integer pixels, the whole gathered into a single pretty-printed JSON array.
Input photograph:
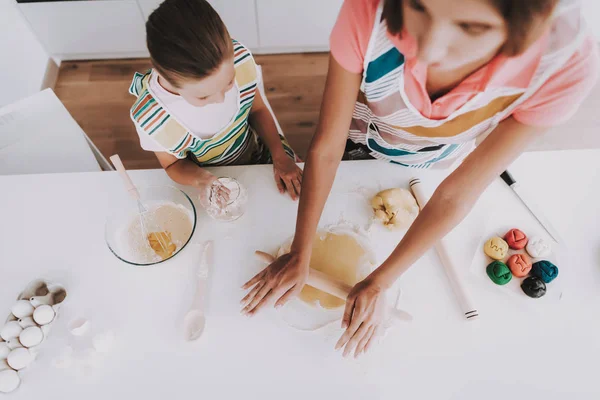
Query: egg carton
[
  {"x": 556, "y": 256},
  {"x": 26, "y": 328}
]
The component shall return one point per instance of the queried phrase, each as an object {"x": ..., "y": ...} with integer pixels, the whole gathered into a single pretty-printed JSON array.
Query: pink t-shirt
[{"x": 554, "y": 103}]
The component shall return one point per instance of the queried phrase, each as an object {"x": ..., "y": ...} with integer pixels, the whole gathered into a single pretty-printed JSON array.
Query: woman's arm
[
  {"x": 285, "y": 278},
  {"x": 448, "y": 206},
  {"x": 288, "y": 176}
]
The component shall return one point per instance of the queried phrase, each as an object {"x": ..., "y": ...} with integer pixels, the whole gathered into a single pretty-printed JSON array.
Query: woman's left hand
[
  {"x": 363, "y": 317},
  {"x": 288, "y": 176}
]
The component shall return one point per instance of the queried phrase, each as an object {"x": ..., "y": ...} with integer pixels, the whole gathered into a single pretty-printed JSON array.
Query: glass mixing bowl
[{"x": 168, "y": 210}]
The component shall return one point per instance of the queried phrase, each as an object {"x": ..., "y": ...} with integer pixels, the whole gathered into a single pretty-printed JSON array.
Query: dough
[
  {"x": 516, "y": 239},
  {"x": 538, "y": 247},
  {"x": 499, "y": 273},
  {"x": 545, "y": 270},
  {"x": 520, "y": 265},
  {"x": 340, "y": 256},
  {"x": 533, "y": 287},
  {"x": 396, "y": 208},
  {"x": 496, "y": 248}
]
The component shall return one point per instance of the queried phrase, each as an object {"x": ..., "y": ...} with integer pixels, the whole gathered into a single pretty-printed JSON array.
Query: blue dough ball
[{"x": 545, "y": 270}]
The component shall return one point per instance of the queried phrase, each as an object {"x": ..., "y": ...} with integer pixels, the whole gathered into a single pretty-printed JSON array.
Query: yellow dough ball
[
  {"x": 496, "y": 248},
  {"x": 396, "y": 208}
]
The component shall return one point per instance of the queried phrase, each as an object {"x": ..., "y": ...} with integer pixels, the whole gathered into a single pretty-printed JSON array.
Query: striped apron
[
  {"x": 237, "y": 143},
  {"x": 386, "y": 126}
]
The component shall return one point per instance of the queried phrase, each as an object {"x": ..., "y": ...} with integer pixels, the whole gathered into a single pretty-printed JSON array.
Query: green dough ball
[{"x": 499, "y": 273}]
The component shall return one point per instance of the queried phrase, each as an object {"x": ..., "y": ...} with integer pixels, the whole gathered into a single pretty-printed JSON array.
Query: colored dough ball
[
  {"x": 499, "y": 273},
  {"x": 545, "y": 270},
  {"x": 533, "y": 287},
  {"x": 516, "y": 239},
  {"x": 496, "y": 248},
  {"x": 538, "y": 247},
  {"x": 519, "y": 264}
]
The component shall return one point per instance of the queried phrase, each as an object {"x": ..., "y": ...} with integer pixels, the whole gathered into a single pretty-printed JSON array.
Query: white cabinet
[
  {"x": 238, "y": 15},
  {"x": 88, "y": 29},
  {"x": 287, "y": 25}
]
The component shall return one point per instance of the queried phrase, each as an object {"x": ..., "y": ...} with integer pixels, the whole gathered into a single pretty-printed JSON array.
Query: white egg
[
  {"x": 43, "y": 315},
  {"x": 37, "y": 301},
  {"x": 22, "y": 309},
  {"x": 9, "y": 381},
  {"x": 19, "y": 358},
  {"x": 4, "y": 350},
  {"x": 26, "y": 322},
  {"x": 31, "y": 336},
  {"x": 13, "y": 343},
  {"x": 11, "y": 330}
]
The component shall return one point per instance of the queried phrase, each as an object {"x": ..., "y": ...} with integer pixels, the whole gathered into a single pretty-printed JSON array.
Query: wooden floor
[{"x": 95, "y": 93}]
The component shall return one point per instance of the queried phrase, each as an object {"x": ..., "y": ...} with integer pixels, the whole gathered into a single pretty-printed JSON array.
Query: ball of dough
[
  {"x": 396, "y": 208},
  {"x": 516, "y": 239},
  {"x": 538, "y": 247},
  {"x": 533, "y": 287},
  {"x": 545, "y": 270},
  {"x": 9, "y": 381},
  {"x": 519, "y": 264},
  {"x": 499, "y": 273},
  {"x": 496, "y": 248}
]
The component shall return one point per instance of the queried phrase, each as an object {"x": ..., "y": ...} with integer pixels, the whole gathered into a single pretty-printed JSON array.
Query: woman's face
[
  {"x": 209, "y": 90},
  {"x": 454, "y": 34}
]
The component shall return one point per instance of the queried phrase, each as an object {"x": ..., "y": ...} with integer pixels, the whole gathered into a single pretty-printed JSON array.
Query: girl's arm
[
  {"x": 285, "y": 277},
  {"x": 288, "y": 176},
  {"x": 448, "y": 206}
]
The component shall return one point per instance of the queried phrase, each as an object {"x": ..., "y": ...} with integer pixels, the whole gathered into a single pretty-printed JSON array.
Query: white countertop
[{"x": 53, "y": 227}]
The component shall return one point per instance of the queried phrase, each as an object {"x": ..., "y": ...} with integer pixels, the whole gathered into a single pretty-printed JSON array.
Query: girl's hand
[
  {"x": 288, "y": 176},
  {"x": 283, "y": 279},
  {"x": 210, "y": 189},
  {"x": 363, "y": 317}
]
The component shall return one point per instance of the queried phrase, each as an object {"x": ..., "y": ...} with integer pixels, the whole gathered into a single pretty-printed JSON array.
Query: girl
[
  {"x": 199, "y": 106},
  {"x": 420, "y": 83}
]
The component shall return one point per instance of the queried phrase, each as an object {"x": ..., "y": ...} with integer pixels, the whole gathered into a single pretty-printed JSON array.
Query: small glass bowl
[
  {"x": 151, "y": 196},
  {"x": 236, "y": 206}
]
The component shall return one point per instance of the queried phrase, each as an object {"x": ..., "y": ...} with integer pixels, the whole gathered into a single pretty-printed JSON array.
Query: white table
[{"x": 519, "y": 351}]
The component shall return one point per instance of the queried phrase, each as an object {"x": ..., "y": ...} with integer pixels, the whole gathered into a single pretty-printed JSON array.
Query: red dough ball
[
  {"x": 519, "y": 264},
  {"x": 516, "y": 239}
]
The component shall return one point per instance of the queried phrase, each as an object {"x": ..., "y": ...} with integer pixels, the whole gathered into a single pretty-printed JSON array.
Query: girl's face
[
  {"x": 454, "y": 34},
  {"x": 209, "y": 90}
]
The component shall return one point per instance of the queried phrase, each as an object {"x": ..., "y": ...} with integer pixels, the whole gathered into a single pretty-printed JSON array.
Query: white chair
[{"x": 38, "y": 135}]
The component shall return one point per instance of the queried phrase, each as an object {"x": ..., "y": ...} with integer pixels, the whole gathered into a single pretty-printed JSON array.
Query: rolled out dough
[{"x": 340, "y": 256}]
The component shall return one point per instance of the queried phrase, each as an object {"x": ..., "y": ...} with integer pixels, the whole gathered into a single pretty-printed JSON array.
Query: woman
[{"x": 431, "y": 79}]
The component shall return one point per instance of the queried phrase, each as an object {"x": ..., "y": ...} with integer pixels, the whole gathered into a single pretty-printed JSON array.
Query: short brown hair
[
  {"x": 521, "y": 16},
  {"x": 187, "y": 40}
]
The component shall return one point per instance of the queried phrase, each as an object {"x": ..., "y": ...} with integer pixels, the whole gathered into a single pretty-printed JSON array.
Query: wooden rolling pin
[
  {"x": 452, "y": 271},
  {"x": 327, "y": 284}
]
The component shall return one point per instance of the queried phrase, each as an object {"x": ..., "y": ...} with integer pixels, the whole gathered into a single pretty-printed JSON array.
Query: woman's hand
[
  {"x": 288, "y": 176},
  {"x": 363, "y": 317},
  {"x": 283, "y": 279}
]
